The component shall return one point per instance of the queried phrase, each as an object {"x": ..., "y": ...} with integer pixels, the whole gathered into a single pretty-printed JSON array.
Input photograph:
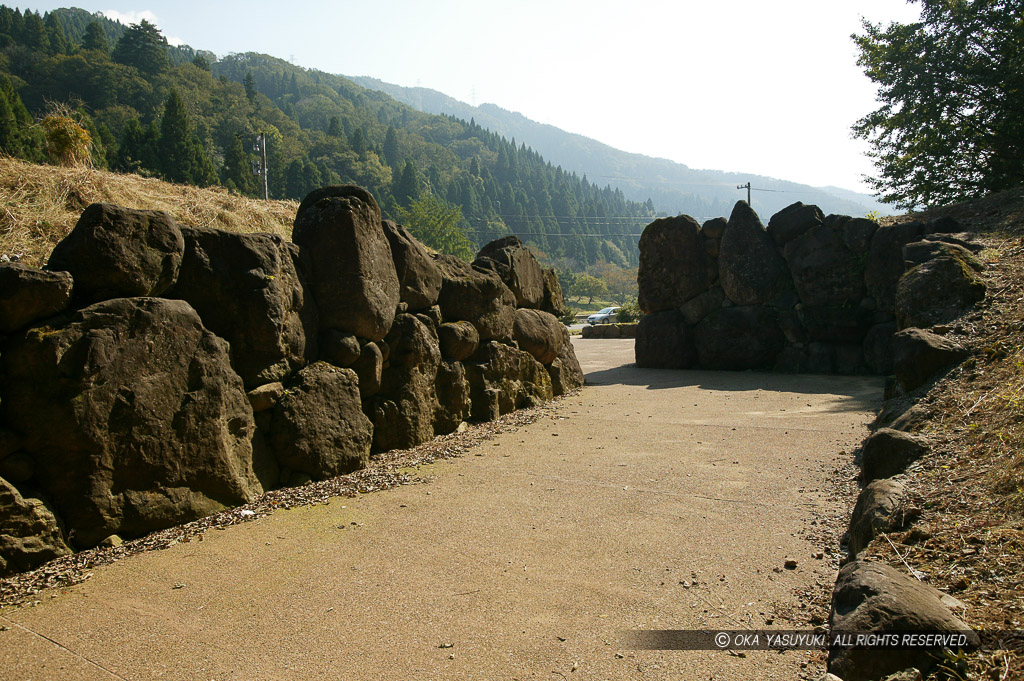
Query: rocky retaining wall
[
  {"x": 154, "y": 373},
  {"x": 809, "y": 294},
  {"x": 609, "y": 331},
  {"x": 828, "y": 295}
]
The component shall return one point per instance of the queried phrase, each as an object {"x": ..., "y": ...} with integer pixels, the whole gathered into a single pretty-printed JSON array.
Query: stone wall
[
  {"x": 154, "y": 373},
  {"x": 609, "y": 331},
  {"x": 810, "y": 293}
]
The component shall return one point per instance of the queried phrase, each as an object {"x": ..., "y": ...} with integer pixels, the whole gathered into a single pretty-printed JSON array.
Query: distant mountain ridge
[{"x": 673, "y": 187}]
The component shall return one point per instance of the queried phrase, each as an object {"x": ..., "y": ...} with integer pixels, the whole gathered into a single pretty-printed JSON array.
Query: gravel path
[{"x": 650, "y": 500}]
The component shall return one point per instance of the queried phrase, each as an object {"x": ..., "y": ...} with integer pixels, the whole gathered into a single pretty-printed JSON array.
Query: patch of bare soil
[{"x": 969, "y": 540}]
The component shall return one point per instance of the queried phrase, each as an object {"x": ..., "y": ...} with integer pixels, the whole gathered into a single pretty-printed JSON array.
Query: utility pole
[
  {"x": 747, "y": 187},
  {"x": 262, "y": 138}
]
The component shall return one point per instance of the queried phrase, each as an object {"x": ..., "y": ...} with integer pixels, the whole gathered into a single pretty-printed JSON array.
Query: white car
[{"x": 605, "y": 316}]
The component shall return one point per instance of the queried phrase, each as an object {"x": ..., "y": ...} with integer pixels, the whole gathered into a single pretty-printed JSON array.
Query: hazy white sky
[{"x": 743, "y": 85}]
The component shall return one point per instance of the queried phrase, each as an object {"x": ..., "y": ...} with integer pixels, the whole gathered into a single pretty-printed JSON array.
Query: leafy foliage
[
  {"x": 629, "y": 313},
  {"x": 143, "y": 47},
  {"x": 589, "y": 287},
  {"x": 435, "y": 222},
  {"x": 951, "y": 89}
]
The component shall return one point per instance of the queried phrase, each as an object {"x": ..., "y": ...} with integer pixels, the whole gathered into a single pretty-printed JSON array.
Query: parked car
[{"x": 605, "y": 316}]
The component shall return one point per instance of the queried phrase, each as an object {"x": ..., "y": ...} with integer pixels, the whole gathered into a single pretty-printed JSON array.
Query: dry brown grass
[
  {"x": 39, "y": 205},
  {"x": 970, "y": 539}
]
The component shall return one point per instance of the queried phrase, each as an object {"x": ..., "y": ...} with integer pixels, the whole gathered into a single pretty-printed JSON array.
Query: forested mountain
[
  {"x": 141, "y": 105},
  {"x": 672, "y": 186}
]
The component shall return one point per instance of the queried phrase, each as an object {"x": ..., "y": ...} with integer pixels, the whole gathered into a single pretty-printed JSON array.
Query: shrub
[
  {"x": 67, "y": 142},
  {"x": 628, "y": 313}
]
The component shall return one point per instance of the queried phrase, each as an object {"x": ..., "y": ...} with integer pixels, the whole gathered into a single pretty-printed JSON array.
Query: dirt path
[{"x": 526, "y": 559}]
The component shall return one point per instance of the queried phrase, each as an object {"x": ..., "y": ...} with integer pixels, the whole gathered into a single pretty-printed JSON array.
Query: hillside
[
  {"x": 673, "y": 187},
  {"x": 180, "y": 114}
]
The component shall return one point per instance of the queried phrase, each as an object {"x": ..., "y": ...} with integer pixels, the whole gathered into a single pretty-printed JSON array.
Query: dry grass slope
[
  {"x": 970, "y": 539},
  {"x": 41, "y": 204}
]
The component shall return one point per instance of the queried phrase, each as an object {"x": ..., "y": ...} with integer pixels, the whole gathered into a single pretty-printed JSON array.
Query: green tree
[
  {"x": 58, "y": 42},
  {"x": 144, "y": 47},
  {"x": 237, "y": 168},
  {"x": 358, "y": 142},
  {"x": 435, "y": 222},
  {"x": 334, "y": 128},
  {"x": 10, "y": 141},
  {"x": 951, "y": 89},
  {"x": 182, "y": 156},
  {"x": 589, "y": 287},
  {"x": 33, "y": 32},
  {"x": 95, "y": 38},
  {"x": 620, "y": 281},
  {"x": 250, "y": 86},
  {"x": 14, "y": 121},
  {"x": 407, "y": 186},
  {"x": 391, "y": 153},
  {"x": 138, "y": 148}
]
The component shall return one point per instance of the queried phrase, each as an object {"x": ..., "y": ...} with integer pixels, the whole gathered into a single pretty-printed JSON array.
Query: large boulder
[
  {"x": 478, "y": 296},
  {"x": 920, "y": 252},
  {"x": 857, "y": 234},
  {"x": 875, "y": 512},
  {"x": 517, "y": 267},
  {"x": 369, "y": 368},
  {"x": 554, "y": 301},
  {"x": 502, "y": 379},
  {"x": 28, "y": 295},
  {"x": 664, "y": 341},
  {"x": 874, "y": 598},
  {"x": 29, "y": 533},
  {"x": 836, "y": 323},
  {"x": 793, "y": 221},
  {"x": 459, "y": 340},
  {"x": 918, "y": 355},
  {"x": 824, "y": 270},
  {"x": 937, "y": 291},
  {"x": 453, "y": 401},
  {"x": 134, "y": 417},
  {"x": 884, "y": 265},
  {"x": 353, "y": 276},
  {"x": 565, "y": 372},
  {"x": 318, "y": 428},
  {"x": 888, "y": 452},
  {"x": 674, "y": 266},
  {"x": 713, "y": 229},
  {"x": 403, "y": 411},
  {"x": 419, "y": 278},
  {"x": 118, "y": 252},
  {"x": 878, "y": 348},
  {"x": 339, "y": 348},
  {"x": 738, "y": 338},
  {"x": 247, "y": 290},
  {"x": 539, "y": 333},
  {"x": 703, "y": 304},
  {"x": 750, "y": 269}
]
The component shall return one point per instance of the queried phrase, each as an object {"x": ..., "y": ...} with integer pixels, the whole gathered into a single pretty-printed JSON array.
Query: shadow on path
[{"x": 864, "y": 392}]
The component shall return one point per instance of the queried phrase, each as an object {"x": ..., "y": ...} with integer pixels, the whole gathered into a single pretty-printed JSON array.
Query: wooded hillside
[{"x": 184, "y": 116}]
